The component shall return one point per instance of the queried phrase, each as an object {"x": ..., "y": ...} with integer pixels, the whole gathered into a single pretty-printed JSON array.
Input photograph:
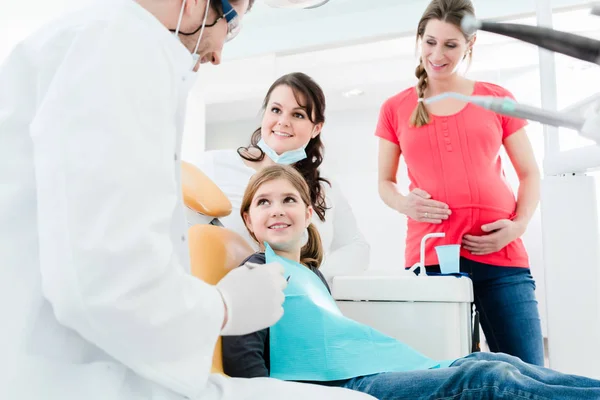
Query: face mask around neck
[{"x": 287, "y": 158}]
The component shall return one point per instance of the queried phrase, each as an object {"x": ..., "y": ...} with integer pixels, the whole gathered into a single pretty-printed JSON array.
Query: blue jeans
[
  {"x": 479, "y": 376},
  {"x": 505, "y": 299}
]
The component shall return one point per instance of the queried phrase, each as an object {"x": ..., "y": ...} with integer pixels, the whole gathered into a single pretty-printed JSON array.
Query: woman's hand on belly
[
  {"x": 499, "y": 234},
  {"x": 419, "y": 206}
]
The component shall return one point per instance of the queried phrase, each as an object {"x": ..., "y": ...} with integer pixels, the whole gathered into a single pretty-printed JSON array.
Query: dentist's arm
[{"x": 104, "y": 146}]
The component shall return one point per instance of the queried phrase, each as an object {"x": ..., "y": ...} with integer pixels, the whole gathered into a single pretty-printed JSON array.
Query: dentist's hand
[
  {"x": 419, "y": 206},
  {"x": 253, "y": 298}
]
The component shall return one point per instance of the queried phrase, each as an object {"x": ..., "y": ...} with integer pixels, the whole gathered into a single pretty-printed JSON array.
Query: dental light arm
[
  {"x": 295, "y": 3},
  {"x": 588, "y": 127},
  {"x": 569, "y": 44},
  {"x": 507, "y": 106},
  {"x": 576, "y": 46}
]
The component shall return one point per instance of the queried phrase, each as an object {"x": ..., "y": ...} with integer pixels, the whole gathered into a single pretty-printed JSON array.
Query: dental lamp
[
  {"x": 295, "y": 3},
  {"x": 566, "y": 43}
]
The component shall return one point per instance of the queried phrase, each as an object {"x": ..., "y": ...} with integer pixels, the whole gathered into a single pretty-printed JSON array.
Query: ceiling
[
  {"x": 338, "y": 22},
  {"x": 380, "y": 68},
  {"x": 366, "y": 45},
  {"x": 270, "y": 30}
]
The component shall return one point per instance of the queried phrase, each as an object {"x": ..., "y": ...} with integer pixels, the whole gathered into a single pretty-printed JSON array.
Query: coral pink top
[{"x": 456, "y": 159}]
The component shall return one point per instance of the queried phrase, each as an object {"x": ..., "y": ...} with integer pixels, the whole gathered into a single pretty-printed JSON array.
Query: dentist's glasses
[{"x": 232, "y": 18}]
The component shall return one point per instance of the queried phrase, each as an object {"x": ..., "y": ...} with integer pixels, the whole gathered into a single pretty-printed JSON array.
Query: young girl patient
[{"x": 314, "y": 342}]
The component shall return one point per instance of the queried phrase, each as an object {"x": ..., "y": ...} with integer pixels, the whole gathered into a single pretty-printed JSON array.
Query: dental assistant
[
  {"x": 457, "y": 181},
  {"x": 97, "y": 300},
  {"x": 290, "y": 134}
]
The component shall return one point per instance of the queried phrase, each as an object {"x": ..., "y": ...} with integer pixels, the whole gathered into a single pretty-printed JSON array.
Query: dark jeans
[
  {"x": 479, "y": 376},
  {"x": 505, "y": 299}
]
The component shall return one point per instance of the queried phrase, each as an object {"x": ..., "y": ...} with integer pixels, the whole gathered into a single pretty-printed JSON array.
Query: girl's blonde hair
[{"x": 311, "y": 253}]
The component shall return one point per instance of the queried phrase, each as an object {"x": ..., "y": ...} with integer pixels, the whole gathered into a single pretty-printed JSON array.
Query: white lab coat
[{"x": 96, "y": 299}]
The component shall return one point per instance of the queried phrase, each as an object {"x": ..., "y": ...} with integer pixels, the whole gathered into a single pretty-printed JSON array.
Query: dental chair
[{"x": 214, "y": 250}]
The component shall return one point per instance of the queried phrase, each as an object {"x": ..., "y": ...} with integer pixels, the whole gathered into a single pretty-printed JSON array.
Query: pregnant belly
[
  {"x": 468, "y": 219},
  {"x": 465, "y": 220}
]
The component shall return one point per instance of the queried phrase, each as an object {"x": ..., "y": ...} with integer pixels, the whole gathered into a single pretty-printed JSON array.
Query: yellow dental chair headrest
[
  {"x": 214, "y": 250},
  {"x": 201, "y": 194}
]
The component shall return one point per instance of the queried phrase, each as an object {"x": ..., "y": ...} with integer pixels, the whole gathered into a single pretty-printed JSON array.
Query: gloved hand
[{"x": 253, "y": 297}]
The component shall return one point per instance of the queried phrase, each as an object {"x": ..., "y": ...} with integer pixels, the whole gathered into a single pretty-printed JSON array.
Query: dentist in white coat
[{"x": 96, "y": 299}]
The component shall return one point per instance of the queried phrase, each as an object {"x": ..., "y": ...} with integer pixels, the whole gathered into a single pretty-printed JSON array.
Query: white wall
[
  {"x": 194, "y": 133},
  {"x": 230, "y": 135}
]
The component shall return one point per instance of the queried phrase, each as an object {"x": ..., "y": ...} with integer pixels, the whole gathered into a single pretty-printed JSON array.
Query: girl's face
[
  {"x": 278, "y": 216},
  {"x": 443, "y": 48},
  {"x": 286, "y": 125}
]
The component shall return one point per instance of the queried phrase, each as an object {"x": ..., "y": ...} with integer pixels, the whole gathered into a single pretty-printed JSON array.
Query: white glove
[{"x": 253, "y": 296}]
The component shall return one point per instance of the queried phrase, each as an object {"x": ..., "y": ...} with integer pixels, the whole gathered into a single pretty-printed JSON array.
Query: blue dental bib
[{"x": 313, "y": 341}]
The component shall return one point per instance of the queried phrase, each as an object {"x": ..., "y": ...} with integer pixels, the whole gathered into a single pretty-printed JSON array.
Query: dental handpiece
[
  {"x": 507, "y": 106},
  {"x": 576, "y": 46}
]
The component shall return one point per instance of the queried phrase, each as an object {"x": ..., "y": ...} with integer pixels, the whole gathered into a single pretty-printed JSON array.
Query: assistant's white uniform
[{"x": 96, "y": 299}]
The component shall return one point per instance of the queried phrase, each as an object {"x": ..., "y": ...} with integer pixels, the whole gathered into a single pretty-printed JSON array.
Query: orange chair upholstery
[
  {"x": 201, "y": 194},
  {"x": 214, "y": 250}
]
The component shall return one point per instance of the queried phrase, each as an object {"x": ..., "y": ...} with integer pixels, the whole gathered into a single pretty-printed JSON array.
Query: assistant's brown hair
[{"x": 309, "y": 95}]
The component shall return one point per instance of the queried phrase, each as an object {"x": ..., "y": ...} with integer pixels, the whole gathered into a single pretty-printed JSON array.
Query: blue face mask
[{"x": 287, "y": 158}]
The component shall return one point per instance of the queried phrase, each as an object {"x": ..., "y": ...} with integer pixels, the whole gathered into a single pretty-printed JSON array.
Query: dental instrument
[
  {"x": 572, "y": 45},
  {"x": 306, "y": 4}
]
